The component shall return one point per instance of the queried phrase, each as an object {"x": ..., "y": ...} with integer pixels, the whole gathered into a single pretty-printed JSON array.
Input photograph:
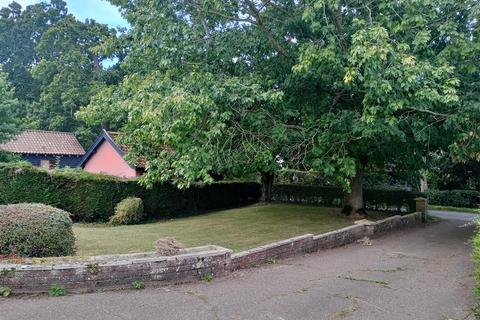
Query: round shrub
[
  {"x": 128, "y": 211},
  {"x": 35, "y": 230}
]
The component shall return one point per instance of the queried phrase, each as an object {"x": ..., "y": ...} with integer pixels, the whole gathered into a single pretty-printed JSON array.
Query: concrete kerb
[{"x": 119, "y": 271}]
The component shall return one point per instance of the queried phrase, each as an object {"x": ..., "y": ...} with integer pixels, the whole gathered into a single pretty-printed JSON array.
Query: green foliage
[
  {"x": 455, "y": 198},
  {"x": 445, "y": 173},
  {"x": 8, "y": 104},
  {"x": 69, "y": 73},
  {"x": 53, "y": 63},
  {"x": 128, "y": 211},
  {"x": 7, "y": 272},
  {"x": 287, "y": 176},
  {"x": 372, "y": 180},
  {"x": 335, "y": 86},
  {"x": 21, "y": 30},
  {"x": 9, "y": 157},
  {"x": 92, "y": 197},
  {"x": 138, "y": 285},
  {"x": 57, "y": 291},
  {"x": 35, "y": 230},
  {"x": 93, "y": 268},
  {"x": 185, "y": 123},
  {"x": 5, "y": 292},
  {"x": 86, "y": 196},
  {"x": 377, "y": 200},
  {"x": 206, "y": 277}
]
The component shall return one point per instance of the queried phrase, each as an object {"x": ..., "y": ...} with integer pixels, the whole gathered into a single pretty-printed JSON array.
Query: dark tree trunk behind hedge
[{"x": 267, "y": 186}]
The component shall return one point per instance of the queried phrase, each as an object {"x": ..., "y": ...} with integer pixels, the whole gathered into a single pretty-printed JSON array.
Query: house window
[{"x": 48, "y": 164}]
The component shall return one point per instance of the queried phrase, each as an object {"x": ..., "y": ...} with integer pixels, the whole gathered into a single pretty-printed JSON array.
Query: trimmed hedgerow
[
  {"x": 35, "y": 230},
  {"x": 93, "y": 197},
  {"x": 379, "y": 200},
  {"x": 86, "y": 196},
  {"x": 454, "y": 198},
  {"x": 128, "y": 211}
]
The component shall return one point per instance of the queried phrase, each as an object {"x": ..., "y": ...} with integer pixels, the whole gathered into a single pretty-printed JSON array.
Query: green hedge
[
  {"x": 92, "y": 197},
  {"x": 454, "y": 198},
  {"x": 35, "y": 230},
  {"x": 372, "y": 180},
  {"x": 377, "y": 200}
]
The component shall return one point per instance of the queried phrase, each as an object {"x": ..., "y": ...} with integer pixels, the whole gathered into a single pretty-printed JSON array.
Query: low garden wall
[{"x": 120, "y": 271}]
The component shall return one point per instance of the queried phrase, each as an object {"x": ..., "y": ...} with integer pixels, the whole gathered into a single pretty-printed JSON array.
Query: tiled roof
[
  {"x": 115, "y": 136},
  {"x": 44, "y": 142}
]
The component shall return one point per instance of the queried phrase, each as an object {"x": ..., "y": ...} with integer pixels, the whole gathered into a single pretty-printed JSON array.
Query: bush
[
  {"x": 128, "y": 211},
  {"x": 35, "y": 230},
  {"x": 454, "y": 198},
  {"x": 9, "y": 157},
  {"x": 93, "y": 197}
]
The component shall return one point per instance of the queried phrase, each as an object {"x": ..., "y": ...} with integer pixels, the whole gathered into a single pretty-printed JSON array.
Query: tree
[
  {"x": 54, "y": 64},
  {"x": 20, "y": 33},
  {"x": 341, "y": 87},
  {"x": 69, "y": 73},
  {"x": 389, "y": 89},
  {"x": 8, "y": 105},
  {"x": 233, "y": 132}
]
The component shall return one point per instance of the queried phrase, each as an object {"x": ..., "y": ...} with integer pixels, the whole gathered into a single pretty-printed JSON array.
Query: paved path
[{"x": 423, "y": 273}]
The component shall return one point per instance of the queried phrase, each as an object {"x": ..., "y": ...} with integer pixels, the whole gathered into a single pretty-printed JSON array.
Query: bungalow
[
  {"x": 47, "y": 149},
  {"x": 106, "y": 156}
]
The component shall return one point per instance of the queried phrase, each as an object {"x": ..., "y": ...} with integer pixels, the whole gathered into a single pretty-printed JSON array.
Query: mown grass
[
  {"x": 454, "y": 209},
  {"x": 237, "y": 229}
]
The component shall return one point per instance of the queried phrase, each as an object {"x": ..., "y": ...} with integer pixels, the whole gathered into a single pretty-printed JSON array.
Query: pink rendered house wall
[{"x": 108, "y": 161}]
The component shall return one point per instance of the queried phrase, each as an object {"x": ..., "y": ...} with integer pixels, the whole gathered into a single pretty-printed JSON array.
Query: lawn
[
  {"x": 455, "y": 209},
  {"x": 237, "y": 229}
]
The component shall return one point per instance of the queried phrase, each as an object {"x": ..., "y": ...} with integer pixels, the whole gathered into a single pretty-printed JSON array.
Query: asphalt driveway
[{"x": 422, "y": 273}]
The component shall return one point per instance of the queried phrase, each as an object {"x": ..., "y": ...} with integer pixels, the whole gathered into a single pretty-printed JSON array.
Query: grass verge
[
  {"x": 476, "y": 259},
  {"x": 455, "y": 209}
]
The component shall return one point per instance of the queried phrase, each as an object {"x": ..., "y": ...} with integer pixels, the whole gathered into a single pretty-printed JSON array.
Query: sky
[{"x": 100, "y": 10}]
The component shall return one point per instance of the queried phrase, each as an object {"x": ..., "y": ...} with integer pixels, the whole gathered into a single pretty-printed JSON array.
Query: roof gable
[
  {"x": 112, "y": 138},
  {"x": 44, "y": 142},
  {"x": 107, "y": 137}
]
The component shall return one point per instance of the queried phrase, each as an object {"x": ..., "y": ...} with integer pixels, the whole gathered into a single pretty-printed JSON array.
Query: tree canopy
[
  {"x": 52, "y": 63},
  {"x": 340, "y": 87},
  {"x": 8, "y": 104}
]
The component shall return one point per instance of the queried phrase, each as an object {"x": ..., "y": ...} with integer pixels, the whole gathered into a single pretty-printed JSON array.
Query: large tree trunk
[
  {"x": 267, "y": 186},
  {"x": 353, "y": 201},
  {"x": 423, "y": 181}
]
